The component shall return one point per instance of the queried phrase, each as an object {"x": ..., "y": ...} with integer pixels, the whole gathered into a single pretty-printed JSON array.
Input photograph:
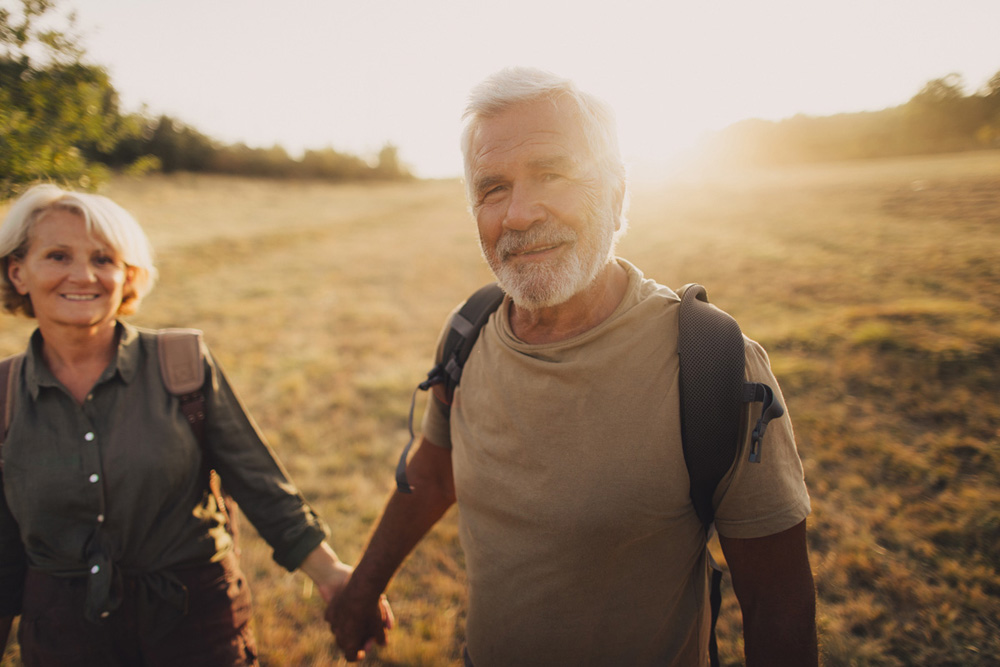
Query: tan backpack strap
[
  {"x": 181, "y": 362},
  {"x": 182, "y": 365}
]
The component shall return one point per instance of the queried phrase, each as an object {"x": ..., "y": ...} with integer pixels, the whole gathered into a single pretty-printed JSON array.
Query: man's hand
[
  {"x": 358, "y": 619},
  {"x": 359, "y": 613}
]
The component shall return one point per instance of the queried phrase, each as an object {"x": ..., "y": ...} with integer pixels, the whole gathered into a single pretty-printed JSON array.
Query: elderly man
[{"x": 562, "y": 444}]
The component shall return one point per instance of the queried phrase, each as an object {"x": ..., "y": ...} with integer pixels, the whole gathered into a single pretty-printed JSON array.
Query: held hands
[{"x": 358, "y": 619}]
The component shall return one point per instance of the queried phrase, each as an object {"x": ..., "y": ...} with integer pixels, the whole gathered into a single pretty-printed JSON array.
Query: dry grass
[{"x": 875, "y": 286}]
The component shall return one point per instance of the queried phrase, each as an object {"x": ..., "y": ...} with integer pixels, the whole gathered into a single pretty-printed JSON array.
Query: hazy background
[
  {"x": 858, "y": 245},
  {"x": 354, "y": 75}
]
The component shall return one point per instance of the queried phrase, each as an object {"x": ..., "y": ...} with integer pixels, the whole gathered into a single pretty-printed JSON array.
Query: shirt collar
[{"x": 125, "y": 364}]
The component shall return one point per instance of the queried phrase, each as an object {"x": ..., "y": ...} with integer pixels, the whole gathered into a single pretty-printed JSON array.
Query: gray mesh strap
[
  {"x": 713, "y": 395},
  {"x": 712, "y": 366}
]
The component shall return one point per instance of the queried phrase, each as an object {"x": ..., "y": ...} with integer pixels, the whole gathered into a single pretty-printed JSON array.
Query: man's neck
[{"x": 581, "y": 313}]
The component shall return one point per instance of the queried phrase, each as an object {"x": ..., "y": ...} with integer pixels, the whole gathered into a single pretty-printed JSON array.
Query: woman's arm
[
  {"x": 5, "y": 623},
  {"x": 327, "y": 571}
]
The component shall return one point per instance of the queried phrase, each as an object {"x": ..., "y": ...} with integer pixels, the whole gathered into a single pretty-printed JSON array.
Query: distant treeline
[
  {"x": 178, "y": 147},
  {"x": 60, "y": 120},
  {"x": 941, "y": 118}
]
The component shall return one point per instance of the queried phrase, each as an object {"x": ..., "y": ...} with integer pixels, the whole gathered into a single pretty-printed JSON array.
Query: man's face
[{"x": 546, "y": 220}]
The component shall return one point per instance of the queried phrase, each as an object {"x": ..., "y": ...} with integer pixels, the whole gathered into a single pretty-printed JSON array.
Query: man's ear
[{"x": 618, "y": 202}]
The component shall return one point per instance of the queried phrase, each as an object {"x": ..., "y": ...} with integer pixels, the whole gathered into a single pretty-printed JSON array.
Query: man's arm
[
  {"x": 354, "y": 614},
  {"x": 774, "y": 584}
]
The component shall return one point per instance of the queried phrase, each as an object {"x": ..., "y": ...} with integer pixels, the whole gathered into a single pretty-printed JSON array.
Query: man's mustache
[{"x": 514, "y": 242}]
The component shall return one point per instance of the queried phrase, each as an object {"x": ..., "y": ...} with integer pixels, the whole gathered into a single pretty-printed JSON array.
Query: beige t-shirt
[{"x": 582, "y": 546}]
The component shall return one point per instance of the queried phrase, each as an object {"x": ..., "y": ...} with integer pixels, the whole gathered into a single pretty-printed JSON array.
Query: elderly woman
[{"x": 112, "y": 547}]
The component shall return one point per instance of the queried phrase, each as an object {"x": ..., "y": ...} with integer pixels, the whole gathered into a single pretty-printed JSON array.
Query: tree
[{"x": 54, "y": 108}]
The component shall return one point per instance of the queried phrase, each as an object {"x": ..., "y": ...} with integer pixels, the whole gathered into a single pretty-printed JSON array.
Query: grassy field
[{"x": 875, "y": 286}]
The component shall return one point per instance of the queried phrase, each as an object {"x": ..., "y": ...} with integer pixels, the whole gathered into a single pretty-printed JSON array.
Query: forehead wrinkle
[{"x": 557, "y": 158}]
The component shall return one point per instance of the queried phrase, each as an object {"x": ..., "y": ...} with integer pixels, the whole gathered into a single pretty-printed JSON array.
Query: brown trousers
[{"x": 215, "y": 631}]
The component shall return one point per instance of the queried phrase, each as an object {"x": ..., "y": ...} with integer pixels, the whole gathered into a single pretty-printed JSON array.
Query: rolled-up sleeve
[{"x": 251, "y": 473}]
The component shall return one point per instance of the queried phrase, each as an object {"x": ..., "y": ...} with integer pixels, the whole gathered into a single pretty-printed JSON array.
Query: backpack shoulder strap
[
  {"x": 181, "y": 361},
  {"x": 714, "y": 395},
  {"x": 182, "y": 366},
  {"x": 712, "y": 361},
  {"x": 9, "y": 370},
  {"x": 463, "y": 331}
]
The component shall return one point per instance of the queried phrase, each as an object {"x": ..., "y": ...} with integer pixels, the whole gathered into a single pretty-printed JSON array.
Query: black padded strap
[
  {"x": 712, "y": 366},
  {"x": 463, "y": 332},
  {"x": 465, "y": 327}
]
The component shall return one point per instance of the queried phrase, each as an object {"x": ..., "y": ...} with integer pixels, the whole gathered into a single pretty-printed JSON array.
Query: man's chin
[{"x": 538, "y": 296}]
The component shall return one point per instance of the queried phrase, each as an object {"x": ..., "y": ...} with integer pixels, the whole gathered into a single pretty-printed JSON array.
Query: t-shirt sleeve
[{"x": 769, "y": 496}]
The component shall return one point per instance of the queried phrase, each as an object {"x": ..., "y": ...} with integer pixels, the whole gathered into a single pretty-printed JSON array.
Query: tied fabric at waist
[{"x": 161, "y": 597}]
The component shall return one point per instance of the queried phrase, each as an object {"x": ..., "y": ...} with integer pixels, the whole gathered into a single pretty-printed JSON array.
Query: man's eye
[{"x": 492, "y": 192}]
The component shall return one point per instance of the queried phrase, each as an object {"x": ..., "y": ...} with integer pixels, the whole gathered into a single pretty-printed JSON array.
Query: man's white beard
[{"x": 536, "y": 285}]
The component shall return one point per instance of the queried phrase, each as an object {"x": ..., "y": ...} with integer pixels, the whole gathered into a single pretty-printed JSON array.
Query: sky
[{"x": 356, "y": 74}]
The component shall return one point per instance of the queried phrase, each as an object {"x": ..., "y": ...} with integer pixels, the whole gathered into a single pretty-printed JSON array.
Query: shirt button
[
  {"x": 89, "y": 437},
  {"x": 93, "y": 478},
  {"x": 95, "y": 569},
  {"x": 105, "y": 614},
  {"x": 100, "y": 518}
]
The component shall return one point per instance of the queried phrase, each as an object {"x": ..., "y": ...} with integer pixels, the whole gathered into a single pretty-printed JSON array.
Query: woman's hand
[{"x": 327, "y": 572}]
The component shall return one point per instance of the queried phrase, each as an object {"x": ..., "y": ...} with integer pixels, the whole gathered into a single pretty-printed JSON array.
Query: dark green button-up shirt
[{"x": 119, "y": 485}]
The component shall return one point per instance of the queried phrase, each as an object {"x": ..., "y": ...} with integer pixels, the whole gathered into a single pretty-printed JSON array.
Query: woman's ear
[{"x": 15, "y": 273}]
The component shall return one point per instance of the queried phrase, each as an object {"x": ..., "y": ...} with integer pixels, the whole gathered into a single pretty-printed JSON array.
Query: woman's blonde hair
[{"x": 103, "y": 218}]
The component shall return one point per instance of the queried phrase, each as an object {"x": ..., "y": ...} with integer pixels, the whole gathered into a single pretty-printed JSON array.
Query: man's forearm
[
  {"x": 407, "y": 517},
  {"x": 781, "y": 636},
  {"x": 355, "y": 614},
  {"x": 404, "y": 522},
  {"x": 774, "y": 584}
]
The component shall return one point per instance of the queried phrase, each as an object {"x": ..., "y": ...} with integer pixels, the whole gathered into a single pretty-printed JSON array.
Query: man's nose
[{"x": 525, "y": 208}]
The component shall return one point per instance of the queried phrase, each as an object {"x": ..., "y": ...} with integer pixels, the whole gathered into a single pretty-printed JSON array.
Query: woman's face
[{"x": 72, "y": 278}]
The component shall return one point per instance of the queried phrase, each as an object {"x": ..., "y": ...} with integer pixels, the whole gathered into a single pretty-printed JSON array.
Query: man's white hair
[{"x": 513, "y": 86}]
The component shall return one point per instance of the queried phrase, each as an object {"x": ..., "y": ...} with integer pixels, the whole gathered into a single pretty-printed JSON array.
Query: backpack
[
  {"x": 714, "y": 397},
  {"x": 182, "y": 369}
]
